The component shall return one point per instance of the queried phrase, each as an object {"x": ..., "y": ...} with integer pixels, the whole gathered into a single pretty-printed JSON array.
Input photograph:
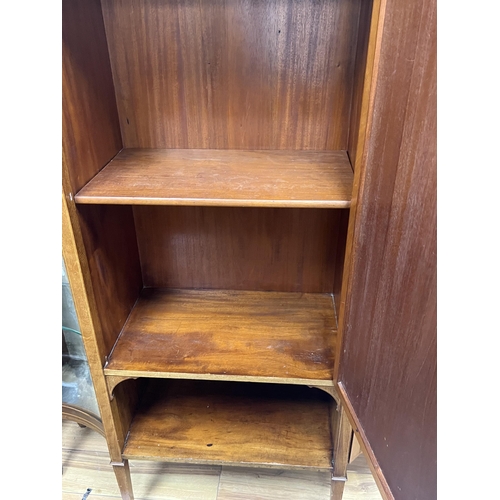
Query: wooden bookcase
[{"x": 210, "y": 160}]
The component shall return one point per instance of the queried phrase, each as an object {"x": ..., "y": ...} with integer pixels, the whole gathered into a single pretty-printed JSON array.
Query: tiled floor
[{"x": 86, "y": 466}]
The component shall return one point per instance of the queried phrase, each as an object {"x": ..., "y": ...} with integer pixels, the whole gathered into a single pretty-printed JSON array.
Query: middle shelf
[
  {"x": 212, "y": 177},
  {"x": 280, "y": 337}
]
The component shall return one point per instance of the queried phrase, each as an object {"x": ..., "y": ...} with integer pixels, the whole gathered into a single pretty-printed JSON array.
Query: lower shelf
[{"x": 205, "y": 422}]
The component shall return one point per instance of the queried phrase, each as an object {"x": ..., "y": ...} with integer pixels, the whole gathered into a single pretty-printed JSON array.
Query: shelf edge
[{"x": 218, "y": 377}]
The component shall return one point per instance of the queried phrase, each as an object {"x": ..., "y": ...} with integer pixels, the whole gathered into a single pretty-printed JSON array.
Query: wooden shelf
[
  {"x": 239, "y": 178},
  {"x": 228, "y": 423},
  {"x": 278, "y": 337}
]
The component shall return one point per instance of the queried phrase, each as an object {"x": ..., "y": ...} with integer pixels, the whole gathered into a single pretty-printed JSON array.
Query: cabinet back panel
[
  {"x": 238, "y": 248},
  {"x": 91, "y": 131},
  {"x": 233, "y": 74}
]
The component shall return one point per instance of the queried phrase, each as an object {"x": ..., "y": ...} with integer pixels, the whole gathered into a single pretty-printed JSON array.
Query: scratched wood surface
[
  {"x": 86, "y": 465},
  {"x": 233, "y": 424},
  {"x": 288, "y": 337},
  {"x": 243, "y": 74},
  {"x": 320, "y": 179}
]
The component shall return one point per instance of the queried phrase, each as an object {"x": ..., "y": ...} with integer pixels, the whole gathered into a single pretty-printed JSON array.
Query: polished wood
[
  {"x": 233, "y": 75},
  {"x": 239, "y": 178},
  {"x": 362, "y": 69},
  {"x": 122, "y": 474},
  {"x": 329, "y": 389},
  {"x": 341, "y": 242},
  {"x": 111, "y": 248},
  {"x": 217, "y": 334},
  {"x": 364, "y": 129},
  {"x": 288, "y": 250},
  {"x": 222, "y": 422},
  {"x": 355, "y": 450},
  {"x": 359, "y": 432},
  {"x": 341, "y": 432},
  {"x": 388, "y": 352},
  {"x": 82, "y": 417},
  {"x": 91, "y": 131},
  {"x": 83, "y": 295}
]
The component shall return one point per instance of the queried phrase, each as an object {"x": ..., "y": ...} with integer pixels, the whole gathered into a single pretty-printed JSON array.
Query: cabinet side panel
[
  {"x": 239, "y": 74},
  {"x": 111, "y": 246},
  {"x": 238, "y": 248},
  {"x": 388, "y": 324},
  {"x": 91, "y": 131},
  {"x": 360, "y": 65},
  {"x": 339, "y": 257}
]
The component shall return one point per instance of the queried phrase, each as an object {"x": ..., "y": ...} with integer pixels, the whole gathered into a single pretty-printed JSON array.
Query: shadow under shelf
[{"x": 257, "y": 425}]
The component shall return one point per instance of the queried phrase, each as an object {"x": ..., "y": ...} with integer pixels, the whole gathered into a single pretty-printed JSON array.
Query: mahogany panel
[
  {"x": 289, "y": 250},
  {"x": 239, "y": 74},
  {"x": 321, "y": 179},
  {"x": 234, "y": 424},
  {"x": 289, "y": 337},
  {"x": 91, "y": 130},
  {"x": 110, "y": 242},
  {"x": 388, "y": 351},
  {"x": 360, "y": 69}
]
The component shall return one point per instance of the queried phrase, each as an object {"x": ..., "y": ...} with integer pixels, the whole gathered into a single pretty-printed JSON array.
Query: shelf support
[
  {"x": 330, "y": 390},
  {"x": 113, "y": 380}
]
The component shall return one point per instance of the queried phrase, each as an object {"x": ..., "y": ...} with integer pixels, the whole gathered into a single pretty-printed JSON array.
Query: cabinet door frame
[{"x": 393, "y": 213}]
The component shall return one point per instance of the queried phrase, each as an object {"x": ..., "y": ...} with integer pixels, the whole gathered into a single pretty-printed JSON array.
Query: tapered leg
[
  {"x": 341, "y": 430},
  {"x": 122, "y": 473}
]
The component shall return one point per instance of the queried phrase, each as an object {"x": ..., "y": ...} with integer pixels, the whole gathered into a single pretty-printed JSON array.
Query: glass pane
[{"x": 77, "y": 388}]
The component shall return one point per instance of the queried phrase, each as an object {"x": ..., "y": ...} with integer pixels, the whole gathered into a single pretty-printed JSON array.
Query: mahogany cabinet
[{"x": 249, "y": 231}]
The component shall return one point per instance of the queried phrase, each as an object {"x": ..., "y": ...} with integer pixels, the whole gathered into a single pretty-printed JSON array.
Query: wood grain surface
[
  {"x": 362, "y": 66},
  {"x": 244, "y": 74},
  {"x": 111, "y": 249},
  {"x": 223, "y": 422},
  {"x": 223, "y": 178},
  {"x": 78, "y": 271},
  {"x": 91, "y": 130},
  {"x": 388, "y": 351},
  {"x": 265, "y": 336},
  {"x": 287, "y": 249}
]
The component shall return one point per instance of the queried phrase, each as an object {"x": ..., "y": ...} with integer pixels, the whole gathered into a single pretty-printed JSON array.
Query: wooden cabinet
[{"x": 234, "y": 175}]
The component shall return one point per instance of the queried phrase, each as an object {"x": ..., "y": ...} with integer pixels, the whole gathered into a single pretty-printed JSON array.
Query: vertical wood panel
[
  {"x": 91, "y": 131},
  {"x": 359, "y": 78},
  {"x": 111, "y": 247},
  {"x": 233, "y": 74},
  {"x": 388, "y": 324},
  {"x": 238, "y": 248}
]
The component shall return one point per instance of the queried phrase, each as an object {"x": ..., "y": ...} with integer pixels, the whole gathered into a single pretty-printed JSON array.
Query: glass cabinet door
[{"x": 77, "y": 387}]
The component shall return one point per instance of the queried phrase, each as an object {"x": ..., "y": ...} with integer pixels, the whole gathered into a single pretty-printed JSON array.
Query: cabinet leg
[
  {"x": 337, "y": 490},
  {"x": 341, "y": 431},
  {"x": 122, "y": 473}
]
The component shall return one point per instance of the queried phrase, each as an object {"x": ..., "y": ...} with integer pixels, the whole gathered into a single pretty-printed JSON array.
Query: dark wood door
[{"x": 387, "y": 357}]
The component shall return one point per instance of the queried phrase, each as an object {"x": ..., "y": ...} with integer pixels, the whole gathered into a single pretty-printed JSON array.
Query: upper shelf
[{"x": 216, "y": 177}]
